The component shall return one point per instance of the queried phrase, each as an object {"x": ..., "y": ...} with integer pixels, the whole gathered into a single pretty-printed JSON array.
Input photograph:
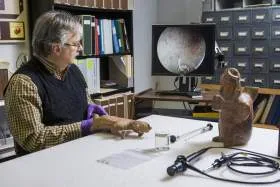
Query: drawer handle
[
  {"x": 258, "y": 65},
  {"x": 259, "y": 33},
  {"x": 276, "y": 33},
  {"x": 240, "y": 64},
  {"x": 242, "y": 18},
  {"x": 209, "y": 19},
  {"x": 225, "y": 18},
  {"x": 276, "y": 65},
  {"x": 224, "y": 49},
  {"x": 277, "y": 49},
  {"x": 242, "y": 79},
  {"x": 259, "y": 49},
  {"x": 276, "y": 81},
  {"x": 242, "y": 33},
  {"x": 260, "y": 17},
  {"x": 258, "y": 81},
  {"x": 241, "y": 49},
  {"x": 209, "y": 78},
  {"x": 224, "y": 34}
]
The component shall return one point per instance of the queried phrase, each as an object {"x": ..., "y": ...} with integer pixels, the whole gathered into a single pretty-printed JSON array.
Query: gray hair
[{"x": 54, "y": 27}]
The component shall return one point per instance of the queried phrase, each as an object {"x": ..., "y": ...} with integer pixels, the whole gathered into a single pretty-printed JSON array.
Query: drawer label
[
  {"x": 224, "y": 34},
  {"x": 225, "y": 49},
  {"x": 258, "y": 65},
  {"x": 225, "y": 18},
  {"x": 209, "y": 19},
  {"x": 241, "y": 49},
  {"x": 242, "y": 79},
  {"x": 276, "y": 65},
  {"x": 242, "y": 33},
  {"x": 276, "y": 33},
  {"x": 277, "y": 16},
  {"x": 258, "y": 81},
  {"x": 277, "y": 49},
  {"x": 276, "y": 81},
  {"x": 259, "y": 49},
  {"x": 240, "y": 64},
  {"x": 242, "y": 18},
  {"x": 260, "y": 17},
  {"x": 259, "y": 33}
]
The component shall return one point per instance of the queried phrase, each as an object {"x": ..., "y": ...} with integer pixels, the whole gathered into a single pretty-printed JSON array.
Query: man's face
[{"x": 70, "y": 49}]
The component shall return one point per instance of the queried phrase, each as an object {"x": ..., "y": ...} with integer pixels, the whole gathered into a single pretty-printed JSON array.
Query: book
[
  {"x": 125, "y": 37},
  {"x": 99, "y": 3},
  {"x": 108, "y": 41},
  {"x": 201, "y": 111},
  {"x": 81, "y": 2},
  {"x": 120, "y": 36},
  {"x": 108, "y": 4},
  {"x": 93, "y": 30},
  {"x": 259, "y": 109},
  {"x": 267, "y": 108}
]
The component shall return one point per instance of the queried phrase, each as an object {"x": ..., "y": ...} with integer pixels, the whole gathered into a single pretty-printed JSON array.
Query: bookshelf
[{"x": 101, "y": 10}]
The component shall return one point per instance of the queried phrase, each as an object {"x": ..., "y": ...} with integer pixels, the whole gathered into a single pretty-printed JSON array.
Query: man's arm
[{"x": 24, "y": 108}]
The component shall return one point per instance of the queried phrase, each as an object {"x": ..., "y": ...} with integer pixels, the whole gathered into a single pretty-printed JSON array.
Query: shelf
[
  {"x": 111, "y": 91},
  {"x": 225, "y": 4},
  {"x": 268, "y": 91},
  {"x": 105, "y": 55}
]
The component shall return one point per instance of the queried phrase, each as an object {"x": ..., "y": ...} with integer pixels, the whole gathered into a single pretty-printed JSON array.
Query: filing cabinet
[{"x": 250, "y": 38}]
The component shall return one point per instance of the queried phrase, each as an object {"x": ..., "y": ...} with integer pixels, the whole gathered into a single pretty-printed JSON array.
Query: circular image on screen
[{"x": 181, "y": 50}]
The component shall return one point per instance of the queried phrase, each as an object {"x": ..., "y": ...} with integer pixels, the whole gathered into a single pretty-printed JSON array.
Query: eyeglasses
[{"x": 76, "y": 44}]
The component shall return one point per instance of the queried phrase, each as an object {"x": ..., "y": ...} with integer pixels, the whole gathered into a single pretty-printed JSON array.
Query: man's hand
[{"x": 118, "y": 126}]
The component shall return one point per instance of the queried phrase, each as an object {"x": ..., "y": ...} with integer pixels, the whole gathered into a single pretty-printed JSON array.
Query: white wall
[
  {"x": 144, "y": 15},
  {"x": 10, "y": 52}
]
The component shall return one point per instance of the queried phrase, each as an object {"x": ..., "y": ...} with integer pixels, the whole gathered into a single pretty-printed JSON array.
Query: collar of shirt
[{"x": 51, "y": 67}]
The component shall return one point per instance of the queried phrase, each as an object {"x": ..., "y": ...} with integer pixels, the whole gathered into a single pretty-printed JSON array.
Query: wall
[
  {"x": 144, "y": 16},
  {"x": 175, "y": 12},
  {"x": 10, "y": 52}
]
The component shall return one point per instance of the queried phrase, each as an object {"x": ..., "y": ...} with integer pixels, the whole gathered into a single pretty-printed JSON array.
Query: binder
[
  {"x": 82, "y": 2},
  {"x": 72, "y": 2},
  {"x": 119, "y": 35},
  {"x": 108, "y": 41},
  {"x": 125, "y": 37},
  {"x": 99, "y": 3},
  {"x": 115, "y": 4},
  {"x": 87, "y": 33},
  {"x": 61, "y": 1},
  {"x": 90, "y": 3},
  {"x": 108, "y": 4},
  {"x": 97, "y": 37},
  {"x": 115, "y": 39},
  {"x": 124, "y": 4},
  {"x": 101, "y": 37},
  {"x": 93, "y": 30}
]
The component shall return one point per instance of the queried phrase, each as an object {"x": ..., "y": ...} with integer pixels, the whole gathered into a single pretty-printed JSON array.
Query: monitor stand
[{"x": 186, "y": 88}]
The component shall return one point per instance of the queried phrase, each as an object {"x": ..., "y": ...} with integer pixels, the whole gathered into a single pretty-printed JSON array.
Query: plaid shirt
[{"x": 25, "y": 113}]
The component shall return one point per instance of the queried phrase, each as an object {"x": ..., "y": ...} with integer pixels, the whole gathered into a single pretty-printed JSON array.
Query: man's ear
[{"x": 56, "y": 49}]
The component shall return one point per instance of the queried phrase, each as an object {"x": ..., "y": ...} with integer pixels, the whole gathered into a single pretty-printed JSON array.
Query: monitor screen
[{"x": 183, "y": 50}]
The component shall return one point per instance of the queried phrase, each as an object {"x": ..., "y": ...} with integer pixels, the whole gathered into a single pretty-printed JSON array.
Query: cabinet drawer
[
  {"x": 226, "y": 48},
  {"x": 275, "y": 48},
  {"x": 275, "y": 32},
  {"x": 259, "y": 80},
  {"x": 259, "y": 65},
  {"x": 260, "y": 32},
  {"x": 209, "y": 79},
  {"x": 242, "y": 17},
  {"x": 224, "y": 33},
  {"x": 242, "y": 48},
  {"x": 275, "y": 15},
  {"x": 274, "y": 64},
  {"x": 260, "y": 48},
  {"x": 274, "y": 80},
  {"x": 242, "y": 64},
  {"x": 224, "y": 18},
  {"x": 242, "y": 33},
  {"x": 209, "y": 17},
  {"x": 261, "y": 15},
  {"x": 245, "y": 79}
]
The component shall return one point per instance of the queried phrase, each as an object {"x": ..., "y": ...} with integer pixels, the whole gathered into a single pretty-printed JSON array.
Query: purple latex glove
[
  {"x": 85, "y": 126},
  {"x": 95, "y": 109}
]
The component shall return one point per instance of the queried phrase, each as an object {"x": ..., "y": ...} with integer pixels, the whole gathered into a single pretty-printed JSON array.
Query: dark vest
[{"x": 63, "y": 101}]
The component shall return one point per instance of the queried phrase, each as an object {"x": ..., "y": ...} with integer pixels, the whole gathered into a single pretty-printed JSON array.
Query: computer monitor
[{"x": 183, "y": 50}]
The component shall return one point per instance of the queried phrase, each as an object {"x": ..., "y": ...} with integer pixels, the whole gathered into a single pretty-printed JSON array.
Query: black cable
[{"x": 252, "y": 159}]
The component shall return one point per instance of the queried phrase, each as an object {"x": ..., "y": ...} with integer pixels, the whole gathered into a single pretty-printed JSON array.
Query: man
[{"x": 46, "y": 99}]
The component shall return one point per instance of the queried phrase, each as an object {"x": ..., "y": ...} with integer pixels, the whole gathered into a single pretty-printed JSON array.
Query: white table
[{"x": 75, "y": 163}]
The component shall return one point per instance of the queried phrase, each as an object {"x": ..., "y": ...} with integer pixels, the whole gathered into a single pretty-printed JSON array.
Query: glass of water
[{"x": 162, "y": 141}]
